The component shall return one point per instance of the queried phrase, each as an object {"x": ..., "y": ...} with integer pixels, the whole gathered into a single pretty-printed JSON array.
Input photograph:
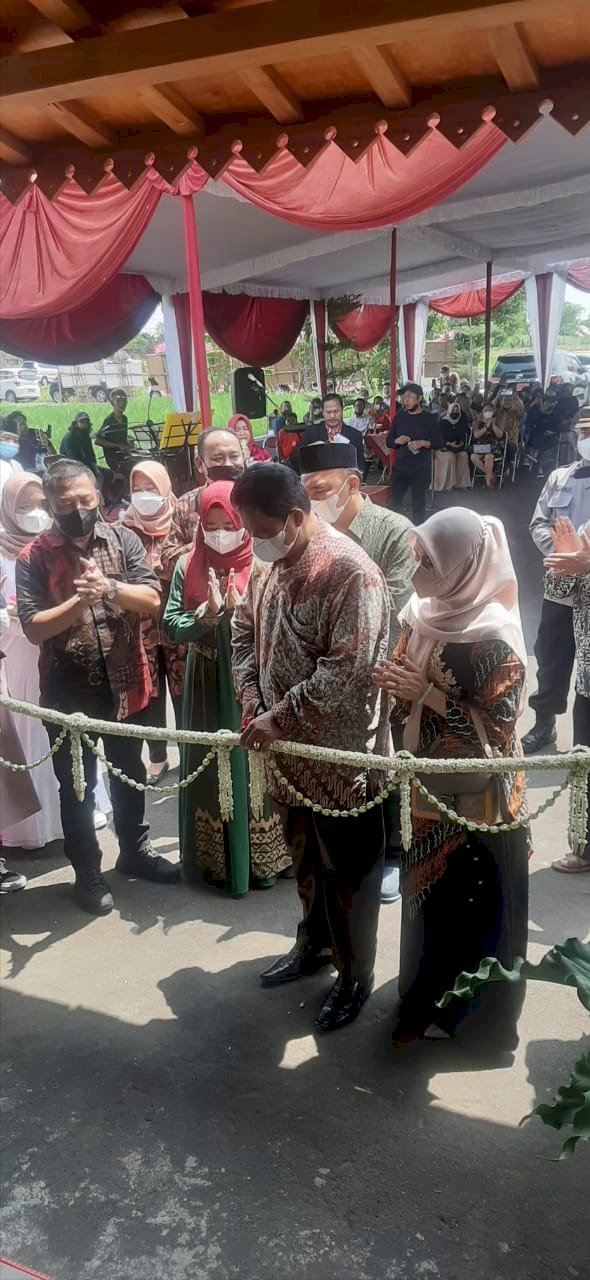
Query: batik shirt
[
  {"x": 305, "y": 643},
  {"x": 182, "y": 531},
  {"x": 577, "y": 589},
  {"x": 383, "y": 534},
  {"x": 102, "y": 653}
]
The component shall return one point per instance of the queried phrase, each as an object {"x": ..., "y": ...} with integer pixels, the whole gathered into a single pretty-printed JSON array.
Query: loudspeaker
[{"x": 248, "y": 392}]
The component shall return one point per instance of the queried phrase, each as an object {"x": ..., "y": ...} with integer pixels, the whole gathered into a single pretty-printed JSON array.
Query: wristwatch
[{"x": 111, "y": 594}]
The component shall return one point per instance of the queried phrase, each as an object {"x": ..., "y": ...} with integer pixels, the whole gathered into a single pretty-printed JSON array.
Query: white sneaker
[{"x": 100, "y": 820}]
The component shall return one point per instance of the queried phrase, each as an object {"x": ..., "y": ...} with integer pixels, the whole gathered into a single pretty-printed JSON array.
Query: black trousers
[
  {"x": 156, "y": 712},
  {"x": 555, "y": 652},
  {"x": 582, "y": 739},
  {"x": 417, "y": 482},
  {"x": 339, "y": 867},
  {"x": 81, "y": 846}
]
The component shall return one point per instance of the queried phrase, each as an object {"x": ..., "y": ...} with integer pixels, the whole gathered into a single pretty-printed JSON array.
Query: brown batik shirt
[{"x": 101, "y": 658}]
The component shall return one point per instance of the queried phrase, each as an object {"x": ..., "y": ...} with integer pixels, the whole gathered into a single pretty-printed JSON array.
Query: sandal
[
  {"x": 156, "y": 772},
  {"x": 571, "y": 864}
]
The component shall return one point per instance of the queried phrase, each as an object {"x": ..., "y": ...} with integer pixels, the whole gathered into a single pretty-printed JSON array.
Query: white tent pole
[{"x": 175, "y": 378}]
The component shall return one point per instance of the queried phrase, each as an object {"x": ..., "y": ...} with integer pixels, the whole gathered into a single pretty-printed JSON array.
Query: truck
[{"x": 95, "y": 381}]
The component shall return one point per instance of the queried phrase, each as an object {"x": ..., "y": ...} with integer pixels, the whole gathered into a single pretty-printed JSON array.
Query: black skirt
[{"x": 478, "y": 908}]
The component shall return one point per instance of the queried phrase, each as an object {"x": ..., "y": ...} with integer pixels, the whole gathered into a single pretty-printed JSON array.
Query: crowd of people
[{"x": 280, "y": 602}]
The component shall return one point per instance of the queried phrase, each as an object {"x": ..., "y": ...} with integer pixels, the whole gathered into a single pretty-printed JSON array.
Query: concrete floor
[{"x": 166, "y": 1119}]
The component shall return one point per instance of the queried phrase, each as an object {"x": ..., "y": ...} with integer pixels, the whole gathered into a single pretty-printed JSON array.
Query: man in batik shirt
[{"x": 312, "y": 625}]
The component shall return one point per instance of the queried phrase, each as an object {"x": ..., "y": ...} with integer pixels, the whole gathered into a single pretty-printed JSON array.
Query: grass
[{"x": 59, "y": 416}]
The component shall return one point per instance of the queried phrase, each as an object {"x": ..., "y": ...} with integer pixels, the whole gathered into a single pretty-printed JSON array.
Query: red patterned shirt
[{"x": 101, "y": 658}]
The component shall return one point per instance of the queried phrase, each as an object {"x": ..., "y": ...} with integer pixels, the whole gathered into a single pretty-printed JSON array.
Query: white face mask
[
  {"x": 423, "y": 580},
  {"x": 147, "y": 503},
  {"x": 584, "y": 447},
  {"x": 34, "y": 521},
  {"x": 329, "y": 509},
  {"x": 487, "y": 417},
  {"x": 224, "y": 540},
  {"x": 272, "y": 549}
]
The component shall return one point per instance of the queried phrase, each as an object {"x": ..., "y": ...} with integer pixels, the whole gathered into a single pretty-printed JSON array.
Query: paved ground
[{"x": 165, "y": 1119}]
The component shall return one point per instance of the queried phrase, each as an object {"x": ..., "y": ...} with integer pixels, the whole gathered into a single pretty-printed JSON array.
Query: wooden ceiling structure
[{"x": 95, "y": 85}]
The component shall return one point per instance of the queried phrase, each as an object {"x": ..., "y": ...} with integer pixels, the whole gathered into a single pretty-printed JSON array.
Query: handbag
[{"x": 476, "y": 796}]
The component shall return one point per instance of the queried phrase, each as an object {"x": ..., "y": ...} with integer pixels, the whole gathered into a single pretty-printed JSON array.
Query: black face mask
[
  {"x": 77, "y": 524},
  {"x": 222, "y": 472}
]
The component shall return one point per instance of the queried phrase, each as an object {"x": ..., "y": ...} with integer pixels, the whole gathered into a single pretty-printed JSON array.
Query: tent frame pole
[
  {"x": 193, "y": 272},
  {"x": 488, "y": 329}
]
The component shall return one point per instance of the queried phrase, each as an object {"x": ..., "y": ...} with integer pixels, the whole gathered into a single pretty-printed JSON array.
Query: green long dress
[{"x": 243, "y": 852}]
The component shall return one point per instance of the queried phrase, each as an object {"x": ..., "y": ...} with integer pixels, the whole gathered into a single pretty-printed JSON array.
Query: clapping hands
[
  {"x": 571, "y": 551},
  {"x": 216, "y": 601}
]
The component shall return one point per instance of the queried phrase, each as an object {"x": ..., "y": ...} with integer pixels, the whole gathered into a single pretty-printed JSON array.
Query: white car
[
  {"x": 13, "y": 387},
  {"x": 31, "y": 371}
]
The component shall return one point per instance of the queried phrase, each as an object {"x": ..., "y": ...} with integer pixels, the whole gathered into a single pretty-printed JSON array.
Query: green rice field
[{"x": 59, "y": 416}]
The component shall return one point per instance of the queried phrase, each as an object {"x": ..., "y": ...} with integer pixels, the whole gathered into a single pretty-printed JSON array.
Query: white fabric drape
[
  {"x": 411, "y": 360},
  {"x": 545, "y": 296},
  {"x": 318, "y": 312},
  {"x": 174, "y": 366}
]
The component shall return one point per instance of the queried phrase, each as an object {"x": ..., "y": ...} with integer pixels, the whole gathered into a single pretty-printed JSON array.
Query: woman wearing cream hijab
[{"x": 461, "y": 654}]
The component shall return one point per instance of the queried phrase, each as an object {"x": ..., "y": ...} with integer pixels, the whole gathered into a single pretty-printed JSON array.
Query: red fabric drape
[
  {"x": 472, "y": 302},
  {"x": 58, "y": 254},
  {"x": 364, "y": 326},
  {"x": 89, "y": 332},
  {"x": 182, "y": 315},
  {"x": 578, "y": 274},
  {"x": 257, "y": 331},
  {"x": 337, "y": 194}
]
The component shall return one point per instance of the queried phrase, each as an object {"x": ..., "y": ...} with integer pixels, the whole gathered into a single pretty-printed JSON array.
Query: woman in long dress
[
  {"x": 22, "y": 516},
  {"x": 206, "y": 587},
  {"x": 150, "y": 516},
  {"x": 457, "y": 674}
]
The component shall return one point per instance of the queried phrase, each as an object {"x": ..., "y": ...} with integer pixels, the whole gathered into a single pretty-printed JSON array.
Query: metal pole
[
  {"x": 392, "y": 325},
  {"x": 488, "y": 329},
  {"x": 191, "y": 249}
]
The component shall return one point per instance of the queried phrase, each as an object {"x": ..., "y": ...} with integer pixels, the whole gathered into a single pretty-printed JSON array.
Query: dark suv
[{"x": 519, "y": 367}]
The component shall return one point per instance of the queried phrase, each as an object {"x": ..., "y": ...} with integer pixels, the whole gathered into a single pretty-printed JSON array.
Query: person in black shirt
[
  {"x": 413, "y": 434},
  {"x": 113, "y": 436},
  {"x": 543, "y": 431},
  {"x": 77, "y": 444},
  {"x": 33, "y": 446}
]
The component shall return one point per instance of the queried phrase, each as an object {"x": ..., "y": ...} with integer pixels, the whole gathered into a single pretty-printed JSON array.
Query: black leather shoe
[
  {"x": 542, "y": 734},
  {"x": 341, "y": 1006},
  {"x": 150, "y": 866},
  {"x": 296, "y": 964},
  {"x": 92, "y": 893}
]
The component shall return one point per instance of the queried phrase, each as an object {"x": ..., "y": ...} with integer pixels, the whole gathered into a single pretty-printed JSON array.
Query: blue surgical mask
[{"x": 8, "y": 451}]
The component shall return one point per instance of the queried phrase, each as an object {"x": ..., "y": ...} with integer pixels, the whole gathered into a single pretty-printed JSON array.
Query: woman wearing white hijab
[{"x": 457, "y": 675}]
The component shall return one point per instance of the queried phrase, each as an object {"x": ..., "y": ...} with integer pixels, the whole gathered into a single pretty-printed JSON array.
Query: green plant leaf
[
  {"x": 568, "y": 964},
  {"x": 570, "y": 1108}
]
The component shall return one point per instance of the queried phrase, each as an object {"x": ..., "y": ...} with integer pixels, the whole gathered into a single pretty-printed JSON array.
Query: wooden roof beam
[
  {"x": 12, "y": 150},
  {"x": 380, "y": 68},
  {"x": 274, "y": 92},
  {"x": 81, "y": 123},
  {"x": 170, "y": 107},
  {"x": 510, "y": 48},
  {"x": 67, "y": 14},
  {"x": 225, "y": 43}
]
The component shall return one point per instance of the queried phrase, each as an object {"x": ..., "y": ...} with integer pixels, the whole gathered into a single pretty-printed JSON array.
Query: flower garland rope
[{"x": 402, "y": 769}]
